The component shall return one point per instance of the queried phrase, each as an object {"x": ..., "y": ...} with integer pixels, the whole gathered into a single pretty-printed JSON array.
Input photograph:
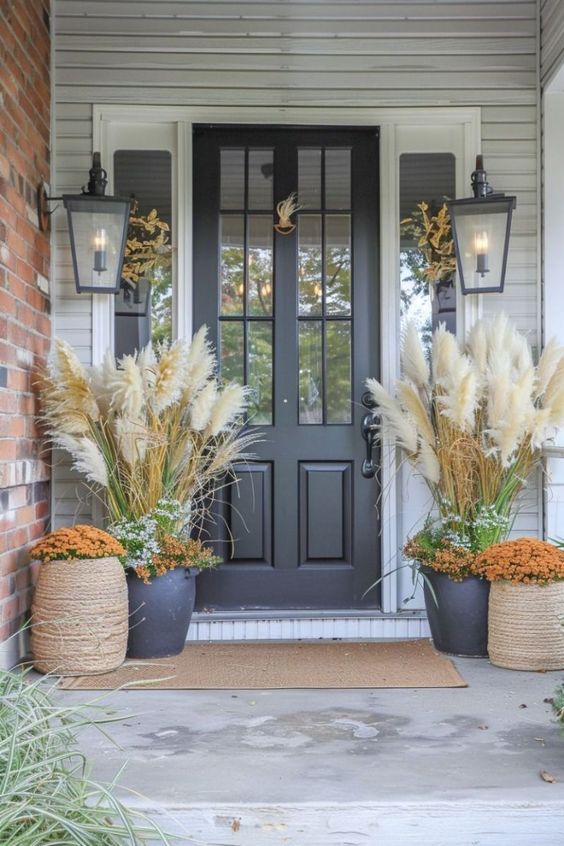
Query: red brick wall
[{"x": 24, "y": 303}]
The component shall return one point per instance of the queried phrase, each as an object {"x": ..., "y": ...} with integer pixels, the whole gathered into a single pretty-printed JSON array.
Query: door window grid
[
  {"x": 325, "y": 369},
  {"x": 246, "y": 318}
]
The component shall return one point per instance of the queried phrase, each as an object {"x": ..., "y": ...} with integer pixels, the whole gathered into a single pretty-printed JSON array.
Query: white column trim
[
  {"x": 102, "y": 304},
  {"x": 182, "y": 314}
]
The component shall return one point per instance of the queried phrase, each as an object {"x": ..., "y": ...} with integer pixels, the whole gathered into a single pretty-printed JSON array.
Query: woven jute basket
[
  {"x": 80, "y": 617},
  {"x": 525, "y": 629}
]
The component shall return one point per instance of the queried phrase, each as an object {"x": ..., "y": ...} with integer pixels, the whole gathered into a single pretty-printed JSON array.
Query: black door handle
[{"x": 369, "y": 431}]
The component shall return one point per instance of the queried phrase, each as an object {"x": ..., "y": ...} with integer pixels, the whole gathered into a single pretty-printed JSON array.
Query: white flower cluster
[
  {"x": 457, "y": 539},
  {"x": 172, "y": 511},
  {"x": 140, "y": 537},
  {"x": 489, "y": 518}
]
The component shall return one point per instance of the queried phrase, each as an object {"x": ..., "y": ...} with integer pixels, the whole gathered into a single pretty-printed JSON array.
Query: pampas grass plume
[
  {"x": 477, "y": 346},
  {"x": 72, "y": 380},
  {"x": 229, "y": 405},
  {"x": 552, "y": 356},
  {"x": 202, "y": 407},
  {"x": 413, "y": 404},
  {"x": 459, "y": 401},
  {"x": 132, "y": 439},
  {"x": 444, "y": 354},
  {"x": 393, "y": 417},
  {"x": 126, "y": 388},
  {"x": 413, "y": 360},
  {"x": 170, "y": 374},
  {"x": 428, "y": 464},
  {"x": 87, "y": 458}
]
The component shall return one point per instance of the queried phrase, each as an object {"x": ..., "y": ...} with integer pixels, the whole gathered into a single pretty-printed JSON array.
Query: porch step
[
  {"x": 464, "y": 823},
  {"x": 260, "y": 625}
]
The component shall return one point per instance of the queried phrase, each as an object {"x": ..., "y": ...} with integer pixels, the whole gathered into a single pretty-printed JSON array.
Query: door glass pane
[
  {"x": 337, "y": 179},
  {"x": 338, "y": 370},
  {"x": 311, "y": 371},
  {"x": 232, "y": 179},
  {"x": 259, "y": 371},
  {"x": 261, "y": 169},
  {"x": 429, "y": 178},
  {"x": 338, "y": 263},
  {"x": 143, "y": 306},
  {"x": 310, "y": 277},
  {"x": 232, "y": 351},
  {"x": 309, "y": 178},
  {"x": 232, "y": 271},
  {"x": 260, "y": 264}
]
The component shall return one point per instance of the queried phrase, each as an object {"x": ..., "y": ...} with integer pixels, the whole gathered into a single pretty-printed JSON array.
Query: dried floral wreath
[
  {"x": 433, "y": 236},
  {"x": 147, "y": 247}
]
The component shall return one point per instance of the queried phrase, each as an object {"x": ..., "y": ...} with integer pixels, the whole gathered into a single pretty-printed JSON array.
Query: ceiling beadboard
[{"x": 552, "y": 38}]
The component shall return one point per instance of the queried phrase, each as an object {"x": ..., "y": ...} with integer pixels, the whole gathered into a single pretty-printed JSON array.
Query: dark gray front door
[{"x": 295, "y": 315}]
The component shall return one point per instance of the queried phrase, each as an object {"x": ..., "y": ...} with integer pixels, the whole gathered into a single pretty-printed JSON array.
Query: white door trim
[{"x": 465, "y": 121}]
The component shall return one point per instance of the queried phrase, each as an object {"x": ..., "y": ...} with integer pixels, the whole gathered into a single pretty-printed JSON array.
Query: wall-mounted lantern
[
  {"x": 97, "y": 230},
  {"x": 481, "y": 226}
]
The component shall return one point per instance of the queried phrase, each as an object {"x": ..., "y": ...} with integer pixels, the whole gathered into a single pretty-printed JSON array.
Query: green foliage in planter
[
  {"x": 558, "y": 704},
  {"x": 46, "y": 795}
]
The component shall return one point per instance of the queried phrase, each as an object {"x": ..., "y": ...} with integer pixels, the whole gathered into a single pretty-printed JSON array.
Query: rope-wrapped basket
[
  {"x": 525, "y": 628},
  {"x": 79, "y": 617}
]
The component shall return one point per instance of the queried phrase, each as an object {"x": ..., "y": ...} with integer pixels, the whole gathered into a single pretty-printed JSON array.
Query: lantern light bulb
[
  {"x": 100, "y": 239},
  {"x": 481, "y": 242},
  {"x": 481, "y": 246},
  {"x": 100, "y": 254}
]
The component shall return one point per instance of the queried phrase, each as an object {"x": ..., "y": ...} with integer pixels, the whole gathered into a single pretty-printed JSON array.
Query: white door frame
[{"x": 401, "y": 130}]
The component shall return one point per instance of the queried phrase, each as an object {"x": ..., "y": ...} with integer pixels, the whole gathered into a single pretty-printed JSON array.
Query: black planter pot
[
  {"x": 160, "y": 613},
  {"x": 459, "y": 617}
]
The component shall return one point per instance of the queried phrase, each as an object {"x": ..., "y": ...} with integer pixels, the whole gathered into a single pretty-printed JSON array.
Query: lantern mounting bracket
[
  {"x": 43, "y": 211},
  {"x": 96, "y": 187}
]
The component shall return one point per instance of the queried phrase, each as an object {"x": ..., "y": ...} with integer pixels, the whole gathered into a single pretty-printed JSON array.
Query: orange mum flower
[
  {"x": 76, "y": 542},
  {"x": 443, "y": 556},
  {"x": 525, "y": 560}
]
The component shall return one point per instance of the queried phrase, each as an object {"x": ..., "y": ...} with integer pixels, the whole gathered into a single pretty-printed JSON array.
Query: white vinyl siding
[{"x": 311, "y": 55}]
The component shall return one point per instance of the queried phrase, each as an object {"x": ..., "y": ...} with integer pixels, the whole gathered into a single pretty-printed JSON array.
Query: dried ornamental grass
[
  {"x": 76, "y": 542},
  {"x": 473, "y": 419},
  {"x": 155, "y": 425},
  {"x": 525, "y": 560}
]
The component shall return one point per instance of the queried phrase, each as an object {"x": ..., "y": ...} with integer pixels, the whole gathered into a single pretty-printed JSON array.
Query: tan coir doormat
[{"x": 284, "y": 665}]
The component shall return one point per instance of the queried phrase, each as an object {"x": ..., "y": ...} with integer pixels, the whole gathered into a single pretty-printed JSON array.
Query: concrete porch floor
[{"x": 346, "y": 767}]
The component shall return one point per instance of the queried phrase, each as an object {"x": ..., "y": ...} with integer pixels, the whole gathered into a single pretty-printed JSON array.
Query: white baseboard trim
[
  {"x": 13, "y": 650},
  {"x": 379, "y": 626}
]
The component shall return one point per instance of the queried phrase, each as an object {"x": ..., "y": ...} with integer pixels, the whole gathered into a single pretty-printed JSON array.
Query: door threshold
[
  {"x": 302, "y": 614},
  {"x": 307, "y": 625}
]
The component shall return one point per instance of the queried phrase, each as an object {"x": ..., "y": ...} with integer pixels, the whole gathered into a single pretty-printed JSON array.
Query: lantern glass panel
[
  {"x": 98, "y": 228},
  {"x": 481, "y": 231}
]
